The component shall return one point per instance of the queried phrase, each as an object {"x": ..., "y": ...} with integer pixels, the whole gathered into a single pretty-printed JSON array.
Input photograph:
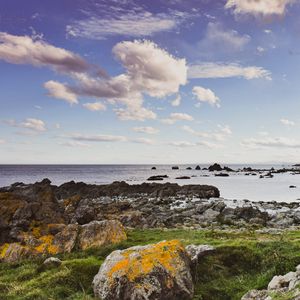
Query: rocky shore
[{"x": 44, "y": 220}]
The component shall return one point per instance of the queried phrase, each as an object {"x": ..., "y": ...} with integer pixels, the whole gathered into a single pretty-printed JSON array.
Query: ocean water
[{"x": 237, "y": 186}]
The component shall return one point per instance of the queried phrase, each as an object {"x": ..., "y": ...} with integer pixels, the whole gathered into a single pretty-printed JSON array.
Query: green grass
[{"x": 243, "y": 261}]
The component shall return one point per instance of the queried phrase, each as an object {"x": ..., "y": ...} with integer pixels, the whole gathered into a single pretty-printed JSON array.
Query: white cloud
[
  {"x": 174, "y": 117},
  {"x": 135, "y": 24},
  {"x": 75, "y": 144},
  {"x": 96, "y": 106},
  {"x": 176, "y": 101},
  {"x": 97, "y": 138},
  {"x": 185, "y": 144},
  {"x": 277, "y": 142},
  {"x": 259, "y": 7},
  {"x": 25, "y": 50},
  {"x": 206, "y": 95},
  {"x": 32, "y": 124},
  {"x": 217, "y": 37},
  {"x": 222, "y": 133},
  {"x": 151, "y": 69},
  {"x": 221, "y": 70},
  {"x": 137, "y": 113},
  {"x": 146, "y": 129},
  {"x": 60, "y": 91},
  {"x": 287, "y": 122},
  {"x": 148, "y": 70},
  {"x": 142, "y": 141}
]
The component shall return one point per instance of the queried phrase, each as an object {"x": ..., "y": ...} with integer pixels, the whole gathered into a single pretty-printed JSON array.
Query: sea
[{"x": 236, "y": 186}]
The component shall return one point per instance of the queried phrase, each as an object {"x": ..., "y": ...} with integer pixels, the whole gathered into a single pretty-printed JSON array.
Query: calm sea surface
[{"x": 237, "y": 186}]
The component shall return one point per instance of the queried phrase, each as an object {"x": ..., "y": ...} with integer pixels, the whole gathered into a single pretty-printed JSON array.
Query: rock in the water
[
  {"x": 100, "y": 233},
  {"x": 175, "y": 168},
  {"x": 215, "y": 167},
  {"x": 157, "y": 177},
  {"x": 159, "y": 271},
  {"x": 222, "y": 175},
  {"x": 198, "y": 168},
  {"x": 153, "y": 168},
  {"x": 183, "y": 177}
]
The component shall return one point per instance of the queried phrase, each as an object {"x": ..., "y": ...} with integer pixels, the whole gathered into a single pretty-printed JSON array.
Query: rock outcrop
[
  {"x": 71, "y": 237},
  {"x": 158, "y": 271}
]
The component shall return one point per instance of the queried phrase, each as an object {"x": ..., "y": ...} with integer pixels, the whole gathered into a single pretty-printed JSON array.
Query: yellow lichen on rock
[
  {"x": 3, "y": 250},
  {"x": 164, "y": 254},
  {"x": 47, "y": 245}
]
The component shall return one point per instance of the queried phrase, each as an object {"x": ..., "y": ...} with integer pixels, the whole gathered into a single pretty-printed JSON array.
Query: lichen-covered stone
[
  {"x": 158, "y": 271},
  {"x": 65, "y": 240},
  {"x": 100, "y": 233}
]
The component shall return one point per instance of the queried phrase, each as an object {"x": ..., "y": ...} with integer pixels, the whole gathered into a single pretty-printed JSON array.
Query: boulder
[
  {"x": 198, "y": 168},
  {"x": 100, "y": 233},
  {"x": 195, "y": 252},
  {"x": 158, "y": 271},
  {"x": 215, "y": 167},
  {"x": 257, "y": 295},
  {"x": 51, "y": 263},
  {"x": 65, "y": 240}
]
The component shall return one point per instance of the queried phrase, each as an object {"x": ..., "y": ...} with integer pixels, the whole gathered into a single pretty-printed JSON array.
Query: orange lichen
[
  {"x": 165, "y": 254},
  {"x": 47, "y": 245},
  {"x": 72, "y": 200},
  {"x": 3, "y": 250}
]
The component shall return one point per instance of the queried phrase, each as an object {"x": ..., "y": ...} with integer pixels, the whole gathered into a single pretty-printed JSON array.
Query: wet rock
[
  {"x": 215, "y": 167},
  {"x": 157, "y": 177},
  {"x": 292, "y": 187},
  {"x": 175, "y": 168},
  {"x": 189, "y": 168},
  {"x": 183, "y": 177},
  {"x": 198, "y": 168},
  {"x": 222, "y": 175},
  {"x": 153, "y": 168},
  {"x": 159, "y": 271}
]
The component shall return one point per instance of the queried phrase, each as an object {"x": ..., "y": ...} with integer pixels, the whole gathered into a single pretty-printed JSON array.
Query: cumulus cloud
[
  {"x": 151, "y": 69},
  {"x": 174, "y": 117},
  {"x": 287, "y": 122},
  {"x": 259, "y": 7},
  {"x": 95, "y": 106},
  {"x": 35, "y": 125},
  {"x": 206, "y": 95},
  {"x": 276, "y": 142},
  {"x": 60, "y": 91},
  {"x": 217, "y": 37},
  {"x": 221, "y": 70},
  {"x": 176, "y": 101},
  {"x": 25, "y": 50},
  {"x": 146, "y": 129}
]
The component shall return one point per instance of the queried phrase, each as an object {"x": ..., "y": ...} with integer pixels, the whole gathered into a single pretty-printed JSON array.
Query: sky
[{"x": 136, "y": 81}]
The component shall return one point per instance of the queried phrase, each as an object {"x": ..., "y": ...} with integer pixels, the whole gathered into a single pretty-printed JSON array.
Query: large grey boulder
[{"x": 159, "y": 271}]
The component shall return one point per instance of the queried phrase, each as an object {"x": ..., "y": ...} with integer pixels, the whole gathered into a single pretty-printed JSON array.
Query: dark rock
[
  {"x": 222, "y": 175},
  {"x": 215, "y": 167},
  {"x": 175, "y": 168},
  {"x": 183, "y": 177},
  {"x": 292, "y": 187},
  {"x": 153, "y": 168},
  {"x": 189, "y": 168},
  {"x": 198, "y": 168}
]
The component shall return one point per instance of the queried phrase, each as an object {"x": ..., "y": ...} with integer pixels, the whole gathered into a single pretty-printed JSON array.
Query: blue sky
[{"x": 179, "y": 81}]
